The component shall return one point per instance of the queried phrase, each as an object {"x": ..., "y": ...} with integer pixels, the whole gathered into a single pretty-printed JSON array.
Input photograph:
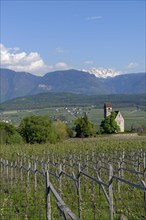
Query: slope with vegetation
[
  {"x": 45, "y": 100},
  {"x": 19, "y": 84}
]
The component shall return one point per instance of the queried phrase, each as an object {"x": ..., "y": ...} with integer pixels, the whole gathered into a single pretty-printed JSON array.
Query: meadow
[
  {"x": 134, "y": 116},
  {"x": 96, "y": 178}
]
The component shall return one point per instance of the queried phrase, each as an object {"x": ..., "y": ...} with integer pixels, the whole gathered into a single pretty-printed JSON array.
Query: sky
[{"x": 44, "y": 36}]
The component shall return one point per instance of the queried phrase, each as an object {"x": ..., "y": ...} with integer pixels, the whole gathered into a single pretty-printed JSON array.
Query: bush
[
  {"x": 36, "y": 129},
  {"x": 84, "y": 128},
  {"x": 109, "y": 125},
  {"x": 9, "y": 134},
  {"x": 15, "y": 139},
  {"x": 61, "y": 130}
]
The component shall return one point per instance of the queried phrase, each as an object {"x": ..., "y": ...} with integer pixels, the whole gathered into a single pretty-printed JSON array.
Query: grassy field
[
  {"x": 19, "y": 200},
  {"x": 133, "y": 116}
]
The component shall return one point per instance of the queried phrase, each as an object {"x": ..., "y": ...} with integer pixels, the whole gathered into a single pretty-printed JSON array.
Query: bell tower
[{"x": 107, "y": 109}]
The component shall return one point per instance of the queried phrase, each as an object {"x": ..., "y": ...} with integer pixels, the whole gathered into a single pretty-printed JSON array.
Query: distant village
[{"x": 77, "y": 112}]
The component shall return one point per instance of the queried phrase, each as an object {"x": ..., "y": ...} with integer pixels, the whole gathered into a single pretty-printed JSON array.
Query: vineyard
[{"x": 98, "y": 179}]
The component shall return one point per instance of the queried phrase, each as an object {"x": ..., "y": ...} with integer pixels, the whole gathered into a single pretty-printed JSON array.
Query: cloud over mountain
[
  {"x": 21, "y": 61},
  {"x": 14, "y": 59}
]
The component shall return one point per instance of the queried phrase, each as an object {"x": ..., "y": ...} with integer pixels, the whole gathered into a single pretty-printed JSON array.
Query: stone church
[{"x": 119, "y": 118}]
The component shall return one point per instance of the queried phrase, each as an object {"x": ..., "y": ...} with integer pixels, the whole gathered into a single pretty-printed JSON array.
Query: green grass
[{"x": 133, "y": 116}]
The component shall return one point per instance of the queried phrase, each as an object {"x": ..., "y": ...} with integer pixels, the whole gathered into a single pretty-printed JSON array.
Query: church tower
[{"x": 107, "y": 109}]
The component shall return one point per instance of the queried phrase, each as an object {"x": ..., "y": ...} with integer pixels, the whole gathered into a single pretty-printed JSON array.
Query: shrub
[
  {"x": 84, "y": 128},
  {"x": 109, "y": 125},
  {"x": 36, "y": 129},
  {"x": 61, "y": 130},
  {"x": 9, "y": 134}
]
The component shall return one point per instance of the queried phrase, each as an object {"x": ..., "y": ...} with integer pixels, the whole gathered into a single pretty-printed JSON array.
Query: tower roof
[{"x": 107, "y": 105}]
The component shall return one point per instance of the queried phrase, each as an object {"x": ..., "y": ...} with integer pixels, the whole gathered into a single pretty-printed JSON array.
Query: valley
[{"x": 134, "y": 117}]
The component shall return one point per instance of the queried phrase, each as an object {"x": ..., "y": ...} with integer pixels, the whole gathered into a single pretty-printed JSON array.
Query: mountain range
[{"x": 19, "y": 84}]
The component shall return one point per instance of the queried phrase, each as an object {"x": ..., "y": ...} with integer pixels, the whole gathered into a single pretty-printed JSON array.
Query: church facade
[{"x": 119, "y": 118}]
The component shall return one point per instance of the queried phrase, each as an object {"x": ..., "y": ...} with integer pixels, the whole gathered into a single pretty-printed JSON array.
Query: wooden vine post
[
  {"x": 11, "y": 173},
  {"x": 7, "y": 168},
  {"x": 15, "y": 166},
  {"x": 123, "y": 159},
  {"x": 119, "y": 183},
  {"x": 28, "y": 173},
  {"x": 48, "y": 200},
  {"x": 94, "y": 199},
  {"x": 79, "y": 192},
  {"x": 35, "y": 176},
  {"x": 111, "y": 191},
  {"x": 60, "y": 180},
  {"x": 21, "y": 175}
]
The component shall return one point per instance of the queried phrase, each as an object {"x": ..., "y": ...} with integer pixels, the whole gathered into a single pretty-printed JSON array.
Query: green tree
[
  {"x": 36, "y": 129},
  {"x": 84, "y": 127},
  {"x": 109, "y": 125},
  {"x": 61, "y": 130},
  {"x": 9, "y": 134}
]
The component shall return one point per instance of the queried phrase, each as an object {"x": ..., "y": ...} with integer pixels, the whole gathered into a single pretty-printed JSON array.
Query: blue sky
[{"x": 43, "y": 36}]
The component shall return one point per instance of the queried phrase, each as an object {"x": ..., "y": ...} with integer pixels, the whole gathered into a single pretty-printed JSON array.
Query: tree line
[{"x": 41, "y": 129}]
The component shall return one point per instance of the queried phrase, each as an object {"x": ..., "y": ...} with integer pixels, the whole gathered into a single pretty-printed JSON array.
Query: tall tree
[
  {"x": 36, "y": 129},
  {"x": 61, "y": 130},
  {"x": 84, "y": 127},
  {"x": 109, "y": 125}
]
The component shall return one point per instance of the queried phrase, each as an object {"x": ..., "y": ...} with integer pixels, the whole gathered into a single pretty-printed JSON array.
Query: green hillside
[{"x": 45, "y": 100}]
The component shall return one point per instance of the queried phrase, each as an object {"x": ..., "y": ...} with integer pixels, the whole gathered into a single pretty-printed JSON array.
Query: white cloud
[
  {"x": 13, "y": 59},
  {"x": 61, "y": 65},
  {"x": 94, "y": 18},
  {"x": 88, "y": 62},
  {"x": 59, "y": 50},
  {"x": 132, "y": 65}
]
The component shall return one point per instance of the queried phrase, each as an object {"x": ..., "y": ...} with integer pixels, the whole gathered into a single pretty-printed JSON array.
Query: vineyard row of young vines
[{"x": 89, "y": 185}]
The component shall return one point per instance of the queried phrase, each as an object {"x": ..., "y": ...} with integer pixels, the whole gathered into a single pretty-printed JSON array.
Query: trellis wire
[{"x": 42, "y": 167}]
